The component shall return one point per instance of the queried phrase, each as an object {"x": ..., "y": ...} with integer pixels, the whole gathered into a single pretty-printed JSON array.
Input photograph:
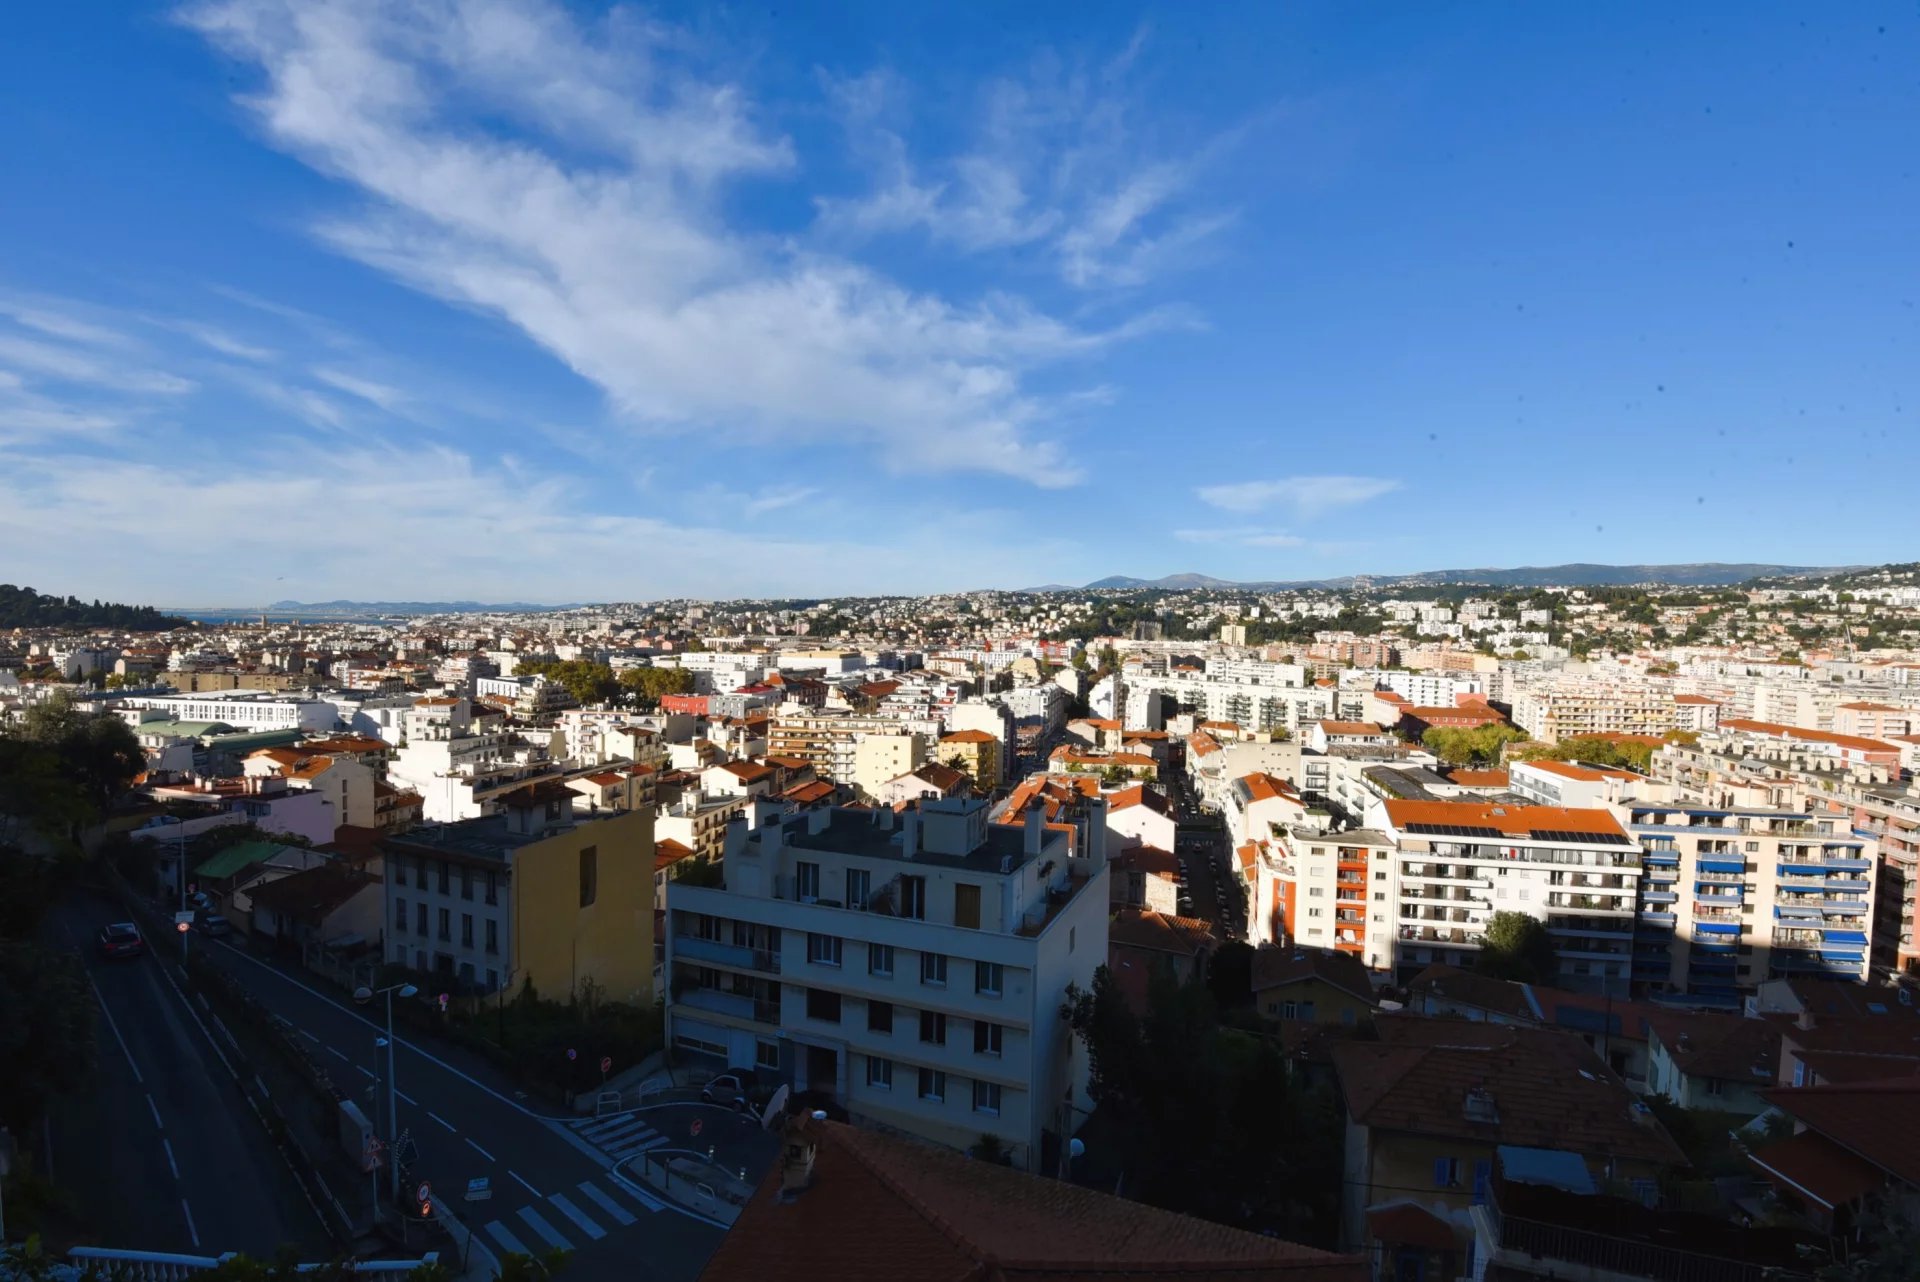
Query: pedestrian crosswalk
[
  {"x": 555, "y": 1221},
  {"x": 620, "y": 1136}
]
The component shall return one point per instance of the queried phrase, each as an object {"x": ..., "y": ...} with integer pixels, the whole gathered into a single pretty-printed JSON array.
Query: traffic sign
[
  {"x": 443, "y": 1003},
  {"x": 479, "y": 1189},
  {"x": 695, "y": 1128},
  {"x": 424, "y": 1192},
  {"x": 572, "y": 1053},
  {"x": 183, "y": 920},
  {"x": 606, "y": 1063}
]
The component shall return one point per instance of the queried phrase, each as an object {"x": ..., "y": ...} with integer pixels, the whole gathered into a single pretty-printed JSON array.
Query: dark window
[
  {"x": 493, "y": 887},
  {"x": 446, "y": 877},
  {"x": 966, "y": 905},
  {"x": 913, "y": 898},
  {"x": 589, "y": 875},
  {"x": 986, "y": 1038},
  {"x": 933, "y": 1028},
  {"x": 879, "y": 1017},
  {"x": 987, "y": 978},
  {"x": 806, "y": 880},
  {"x": 859, "y": 887},
  {"x": 823, "y": 1005},
  {"x": 400, "y": 915},
  {"x": 933, "y": 969},
  {"x": 420, "y": 923},
  {"x": 420, "y": 876},
  {"x": 466, "y": 930},
  {"x": 446, "y": 924},
  {"x": 466, "y": 883},
  {"x": 933, "y": 1084},
  {"x": 879, "y": 959},
  {"x": 493, "y": 936}
]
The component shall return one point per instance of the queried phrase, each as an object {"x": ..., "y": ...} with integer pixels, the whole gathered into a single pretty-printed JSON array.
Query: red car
[{"x": 121, "y": 940}]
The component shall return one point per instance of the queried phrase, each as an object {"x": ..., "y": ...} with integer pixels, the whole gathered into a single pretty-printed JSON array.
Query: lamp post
[{"x": 363, "y": 995}]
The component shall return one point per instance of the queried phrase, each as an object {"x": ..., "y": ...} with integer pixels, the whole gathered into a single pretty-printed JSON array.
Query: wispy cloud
[
  {"x": 1305, "y": 496},
  {"x": 569, "y": 180},
  {"x": 380, "y": 394},
  {"x": 225, "y": 344},
  {"x": 773, "y": 500},
  {"x": 66, "y": 364},
  {"x": 1244, "y": 536},
  {"x": 1058, "y": 162}
]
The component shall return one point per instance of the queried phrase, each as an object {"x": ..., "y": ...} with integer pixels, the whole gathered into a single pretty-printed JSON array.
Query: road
[
  {"x": 161, "y": 1153},
  {"x": 550, "y": 1186},
  {"x": 1215, "y": 893}
]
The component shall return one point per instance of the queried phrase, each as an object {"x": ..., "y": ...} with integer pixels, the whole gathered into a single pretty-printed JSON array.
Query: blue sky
[{"x": 550, "y": 302}]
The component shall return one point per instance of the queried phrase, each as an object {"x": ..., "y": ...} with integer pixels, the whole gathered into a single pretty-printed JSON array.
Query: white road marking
[
  {"x": 538, "y": 1224},
  {"x": 482, "y": 1152},
  {"x": 505, "y": 1238},
  {"x": 523, "y": 1184},
  {"x": 592, "y": 1192},
  {"x": 652, "y": 1203},
  {"x": 337, "y": 1054},
  {"x": 408, "y": 1098},
  {"x": 369, "y": 1072},
  {"x": 436, "y": 1061},
  {"x": 171, "y": 1164},
  {"x": 443, "y": 1121},
  {"x": 188, "y": 1211},
  {"x": 156, "y": 1113},
  {"x": 115, "y": 1028},
  {"x": 560, "y": 1202}
]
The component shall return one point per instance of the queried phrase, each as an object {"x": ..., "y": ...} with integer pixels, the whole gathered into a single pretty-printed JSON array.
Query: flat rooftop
[
  {"x": 488, "y": 837},
  {"x": 855, "y": 833}
]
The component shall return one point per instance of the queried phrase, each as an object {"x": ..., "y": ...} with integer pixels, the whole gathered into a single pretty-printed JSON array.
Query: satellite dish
[{"x": 776, "y": 1107}]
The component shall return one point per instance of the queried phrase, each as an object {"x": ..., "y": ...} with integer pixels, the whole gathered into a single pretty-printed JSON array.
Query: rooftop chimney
[
  {"x": 909, "y": 834},
  {"x": 1036, "y": 831}
]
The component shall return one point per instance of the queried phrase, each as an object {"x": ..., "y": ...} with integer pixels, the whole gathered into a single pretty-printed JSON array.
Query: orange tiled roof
[{"x": 1510, "y": 820}]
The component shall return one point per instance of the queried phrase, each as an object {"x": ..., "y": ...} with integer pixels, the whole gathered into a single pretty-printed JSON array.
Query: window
[
  {"x": 589, "y": 875},
  {"x": 823, "y": 950},
  {"x": 493, "y": 935},
  {"x": 420, "y": 874},
  {"x": 933, "y": 1028},
  {"x": 493, "y": 978},
  {"x": 1446, "y": 1172},
  {"x": 879, "y": 1017},
  {"x": 766, "y": 1055},
  {"x": 493, "y": 887},
  {"x": 987, "y": 1038},
  {"x": 987, "y": 978},
  {"x": 1313, "y": 912},
  {"x": 446, "y": 877},
  {"x": 420, "y": 922},
  {"x": 933, "y": 1084},
  {"x": 933, "y": 969},
  {"x": 1799, "y": 1072},
  {"x": 859, "y": 887},
  {"x": 1482, "y": 1176},
  {"x": 986, "y": 1098},
  {"x": 966, "y": 905},
  {"x": 446, "y": 924},
  {"x": 1380, "y": 874},
  {"x": 913, "y": 898},
  {"x": 1073, "y": 935},
  {"x": 466, "y": 883},
  {"x": 466, "y": 930},
  {"x": 400, "y": 915},
  {"x": 806, "y": 881},
  {"x": 1315, "y": 892},
  {"x": 879, "y": 1073},
  {"x": 1753, "y": 846},
  {"x": 1379, "y": 896},
  {"x": 880, "y": 959},
  {"x": 823, "y": 1005},
  {"x": 1715, "y": 1086}
]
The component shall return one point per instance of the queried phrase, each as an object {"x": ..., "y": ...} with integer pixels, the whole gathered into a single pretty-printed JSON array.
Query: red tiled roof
[
  {"x": 882, "y": 1208},
  {"x": 968, "y": 736},
  {"x": 1876, "y": 1121},
  {"x": 1813, "y": 1166},
  {"x": 1773, "y": 730},
  {"x": 1278, "y": 967},
  {"x": 1409, "y": 1224},
  {"x": 1512, "y": 820}
]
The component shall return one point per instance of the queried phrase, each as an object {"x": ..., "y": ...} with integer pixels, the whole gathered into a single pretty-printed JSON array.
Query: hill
[
  {"x": 412, "y": 607},
  {"x": 1576, "y": 575},
  {"x": 25, "y": 608}
]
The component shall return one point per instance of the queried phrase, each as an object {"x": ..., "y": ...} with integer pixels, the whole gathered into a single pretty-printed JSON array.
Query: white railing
[{"x": 161, "y": 1266}]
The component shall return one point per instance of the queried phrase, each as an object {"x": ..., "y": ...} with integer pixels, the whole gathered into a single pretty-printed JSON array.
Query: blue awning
[
  {"x": 1844, "y": 937},
  {"x": 1719, "y": 927},
  {"x": 1722, "y": 865}
]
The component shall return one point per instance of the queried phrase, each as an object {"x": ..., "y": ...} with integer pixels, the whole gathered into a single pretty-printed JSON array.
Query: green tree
[
  {"x": 1230, "y": 975},
  {"x": 96, "y": 754},
  {"x": 1460, "y": 745},
  {"x": 46, "y": 1039},
  {"x": 1886, "y": 1248},
  {"x": 647, "y": 686},
  {"x": 1516, "y": 946}
]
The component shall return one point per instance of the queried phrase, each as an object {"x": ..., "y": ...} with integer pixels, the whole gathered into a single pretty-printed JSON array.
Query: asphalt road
[
  {"x": 1216, "y": 896},
  {"x": 160, "y": 1152},
  {"x": 549, "y": 1185}
]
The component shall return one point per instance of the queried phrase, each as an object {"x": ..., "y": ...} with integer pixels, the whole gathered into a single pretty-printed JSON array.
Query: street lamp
[{"x": 363, "y": 995}]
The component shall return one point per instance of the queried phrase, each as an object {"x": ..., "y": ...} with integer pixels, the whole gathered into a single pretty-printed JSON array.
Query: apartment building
[
  {"x": 830, "y": 742},
  {"x": 241, "y": 709},
  {"x": 1769, "y": 894},
  {"x": 1869, "y": 720},
  {"x": 980, "y": 755},
  {"x": 1459, "y": 862},
  {"x": 1327, "y": 890},
  {"x": 1569, "y": 709},
  {"x": 538, "y": 894},
  {"x": 913, "y": 966}
]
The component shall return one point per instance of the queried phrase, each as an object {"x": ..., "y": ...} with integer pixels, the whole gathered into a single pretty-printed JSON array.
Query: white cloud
[
  {"x": 64, "y": 364},
  {"x": 570, "y": 180},
  {"x": 772, "y": 500},
  {"x": 1252, "y": 537},
  {"x": 224, "y": 343},
  {"x": 324, "y": 522},
  {"x": 380, "y": 394},
  {"x": 1305, "y": 496},
  {"x": 1058, "y": 161}
]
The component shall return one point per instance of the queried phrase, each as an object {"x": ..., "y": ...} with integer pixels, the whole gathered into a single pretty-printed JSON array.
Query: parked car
[
  {"x": 746, "y": 1090},
  {"x": 201, "y": 901},
  {"x": 213, "y": 924},
  {"x": 122, "y": 939}
]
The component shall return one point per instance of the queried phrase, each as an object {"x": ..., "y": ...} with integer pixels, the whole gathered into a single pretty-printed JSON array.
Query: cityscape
[{"x": 569, "y": 709}]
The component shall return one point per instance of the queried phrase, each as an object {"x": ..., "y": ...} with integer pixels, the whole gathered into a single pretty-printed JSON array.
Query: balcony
[
  {"x": 1659, "y": 918},
  {"x": 738, "y": 1005},
  {"x": 693, "y": 948},
  {"x": 1804, "y": 867}
]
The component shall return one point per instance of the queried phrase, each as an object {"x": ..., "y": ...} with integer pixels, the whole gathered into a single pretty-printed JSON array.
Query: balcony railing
[
  {"x": 1590, "y": 1252},
  {"x": 694, "y": 948}
]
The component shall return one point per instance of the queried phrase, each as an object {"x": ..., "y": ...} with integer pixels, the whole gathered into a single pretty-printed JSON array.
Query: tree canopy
[
  {"x": 1517, "y": 947},
  {"x": 647, "y": 686},
  {"x": 25, "y": 608},
  {"x": 1459, "y": 746}
]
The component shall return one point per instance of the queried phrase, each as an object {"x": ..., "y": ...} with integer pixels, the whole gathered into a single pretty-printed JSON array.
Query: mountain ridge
[{"x": 1573, "y": 574}]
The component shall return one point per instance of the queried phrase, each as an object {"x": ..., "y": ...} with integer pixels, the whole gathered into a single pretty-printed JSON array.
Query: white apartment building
[
  {"x": 1421, "y": 689},
  {"x": 1459, "y": 862},
  {"x": 1570, "y": 709},
  {"x": 241, "y": 709},
  {"x": 457, "y": 771},
  {"x": 911, "y": 965}
]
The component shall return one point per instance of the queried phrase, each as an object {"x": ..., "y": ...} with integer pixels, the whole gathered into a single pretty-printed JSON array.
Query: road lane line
[
  {"x": 156, "y": 1113},
  {"x": 408, "y": 1098},
  {"x": 482, "y": 1152},
  {"x": 504, "y": 1236},
  {"x": 592, "y": 1192},
  {"x": 538, "y": 1224},
  {"x": 560, "y": 1202},
  {"x": 332, "y": 1051},
  {"x": 443, "y": 1121},
  {"x": 435, "y": 1060},
  {"x": 369, "y": 1072},
  {"x": 190, "y": 1226},
  {"x": 523, "y": 1184},
  {"x": 171, "y": 1164},
  {"x": 108, "y": 1016},
  {"x": 652, "y": 1203}
]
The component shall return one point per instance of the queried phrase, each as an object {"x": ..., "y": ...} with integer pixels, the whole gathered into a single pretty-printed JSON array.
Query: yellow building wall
[
  {"x": 558, "y": 944},
  {"x": 1330, "y": 1004}
]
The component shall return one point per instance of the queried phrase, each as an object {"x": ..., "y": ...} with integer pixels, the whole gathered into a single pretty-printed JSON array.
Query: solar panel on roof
[
  {"x": 1590, "y": 838},
  {"x": 1453, "y": 830}
]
